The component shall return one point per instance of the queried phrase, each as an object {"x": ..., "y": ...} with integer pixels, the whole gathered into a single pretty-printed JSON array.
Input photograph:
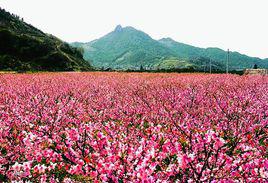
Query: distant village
[{"x": 256, "y": 71}]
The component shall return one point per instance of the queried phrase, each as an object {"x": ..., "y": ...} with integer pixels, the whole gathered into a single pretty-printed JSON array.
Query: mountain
[
  {"x": 24, "y": 47},
  {"x": 128, "y": 48},
  {"x": 218, "y": 56}
]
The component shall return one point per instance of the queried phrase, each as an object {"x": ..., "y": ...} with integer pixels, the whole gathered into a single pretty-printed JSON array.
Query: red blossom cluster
[{"x": 130, "y": 127}]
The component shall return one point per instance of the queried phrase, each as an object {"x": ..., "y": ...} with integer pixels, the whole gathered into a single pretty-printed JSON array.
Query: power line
[
  {"x": 210, "y": 65},
  {"x": 227, "y": 63}
]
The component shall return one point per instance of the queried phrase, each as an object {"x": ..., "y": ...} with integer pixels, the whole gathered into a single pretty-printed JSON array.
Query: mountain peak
[
  {"x": 118, "y": 28},
  {"x": 167, "y": 39},
  {"x": 129, "y": 48}
]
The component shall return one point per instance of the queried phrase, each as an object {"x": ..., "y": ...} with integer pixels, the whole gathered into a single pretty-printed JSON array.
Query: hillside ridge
[
  {"x": 26, "y": 48},
  {"x": 128, "y": 48}
]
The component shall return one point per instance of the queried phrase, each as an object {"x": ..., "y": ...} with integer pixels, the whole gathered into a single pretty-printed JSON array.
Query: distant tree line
[{"x": 171, "y": 70}]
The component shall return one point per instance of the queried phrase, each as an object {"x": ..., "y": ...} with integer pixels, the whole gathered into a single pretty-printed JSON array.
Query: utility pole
[
  {"x": 227, "y": 63},
  {"x": 210, "y": 65}
]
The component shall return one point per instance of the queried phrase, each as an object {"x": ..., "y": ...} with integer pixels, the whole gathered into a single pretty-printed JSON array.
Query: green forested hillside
[
  {"x": 128, "y": 48},
  {"x": 25, "y": 48},
  {"x": 218, "y": 56}
]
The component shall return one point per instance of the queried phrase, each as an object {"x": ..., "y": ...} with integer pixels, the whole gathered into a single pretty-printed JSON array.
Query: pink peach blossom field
[{"x": 133, "y": 127}]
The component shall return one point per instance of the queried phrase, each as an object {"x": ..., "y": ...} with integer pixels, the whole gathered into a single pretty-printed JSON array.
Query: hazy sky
[{"x": 241, "y": 25}]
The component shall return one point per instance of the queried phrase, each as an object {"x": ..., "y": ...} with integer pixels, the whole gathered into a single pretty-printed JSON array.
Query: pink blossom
[{"x": 133, "y": 127}]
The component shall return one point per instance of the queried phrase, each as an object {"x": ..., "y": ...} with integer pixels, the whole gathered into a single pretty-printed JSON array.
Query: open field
[{"x": 133, "y": 127}]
